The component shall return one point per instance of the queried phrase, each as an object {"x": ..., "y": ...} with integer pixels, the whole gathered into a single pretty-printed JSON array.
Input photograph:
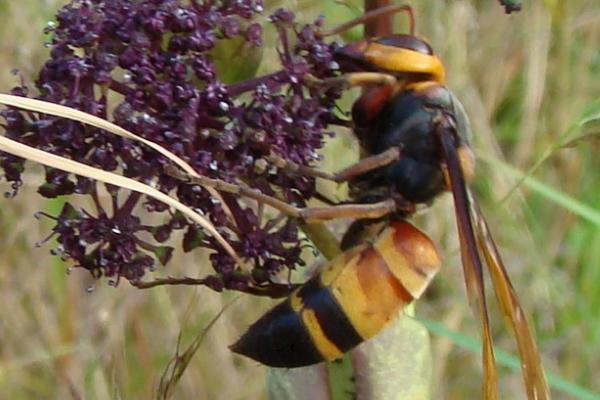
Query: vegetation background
[{"x": 528, "y": 82}]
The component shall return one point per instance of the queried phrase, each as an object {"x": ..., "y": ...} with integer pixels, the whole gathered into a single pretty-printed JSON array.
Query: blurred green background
[{"x": 530, "y": 83}]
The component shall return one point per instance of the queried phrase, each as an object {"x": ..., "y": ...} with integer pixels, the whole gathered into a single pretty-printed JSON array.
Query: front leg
[
  {"x": 308, "y": 214},
  {"x": 360, "y": 167},
  {"x": 355, "y": 79},
  {"x": 356, "y": 211}
]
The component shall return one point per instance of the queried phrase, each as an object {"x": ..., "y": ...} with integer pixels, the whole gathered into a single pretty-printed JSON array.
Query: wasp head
[{"x": 403, "y": 56}]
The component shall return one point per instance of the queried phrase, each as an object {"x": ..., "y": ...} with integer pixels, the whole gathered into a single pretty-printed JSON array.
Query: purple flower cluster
[{"x": 151, "y": 66}]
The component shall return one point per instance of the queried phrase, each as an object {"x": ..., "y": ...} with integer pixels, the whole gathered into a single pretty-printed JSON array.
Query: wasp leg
[
  {"x": 239, "y": 189},
  {"x": 308, "y": 214},
  {"x": 368, "y": 78},
  {"x": 356, "y": 211},
  {"x": 368, "y": 164},
  {"x": 358, "y": 168},
  {"x": 378, "y": 12},
  {"x": 353, "y": 79}
]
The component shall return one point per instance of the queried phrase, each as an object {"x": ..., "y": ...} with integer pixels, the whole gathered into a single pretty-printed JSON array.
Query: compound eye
[{"x": 406, "y": 42}]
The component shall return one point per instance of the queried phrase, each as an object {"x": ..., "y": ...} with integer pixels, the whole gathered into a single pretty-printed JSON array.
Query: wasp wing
[
  {"x": 472, "y": 267},
  {"x": 533, "y": 373}
]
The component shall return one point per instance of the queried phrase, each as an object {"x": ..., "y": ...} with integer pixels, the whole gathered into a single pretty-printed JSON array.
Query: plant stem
[{"x": 379, "y": 26}]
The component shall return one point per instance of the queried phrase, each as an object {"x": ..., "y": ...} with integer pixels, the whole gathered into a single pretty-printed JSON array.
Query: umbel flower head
[{"x": 150, "y": 66}]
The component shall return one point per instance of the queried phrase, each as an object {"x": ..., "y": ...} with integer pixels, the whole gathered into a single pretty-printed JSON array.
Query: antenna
[{"x": 393, "y": 9}]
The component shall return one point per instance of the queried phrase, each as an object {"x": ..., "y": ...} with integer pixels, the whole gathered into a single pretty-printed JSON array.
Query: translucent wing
[
  {"x": 475, "y": 238},
  {"x": 533, "y": 373},
  {"x": 472, "y": 267}
]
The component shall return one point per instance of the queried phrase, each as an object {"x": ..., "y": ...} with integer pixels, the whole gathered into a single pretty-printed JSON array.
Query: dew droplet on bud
[{"x": 223, "y": 106}]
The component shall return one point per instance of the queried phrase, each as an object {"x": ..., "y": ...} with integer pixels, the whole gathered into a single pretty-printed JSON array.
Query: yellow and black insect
[
  {"x": 349, "y": 301},
  {"x": 414, "y": 137}
]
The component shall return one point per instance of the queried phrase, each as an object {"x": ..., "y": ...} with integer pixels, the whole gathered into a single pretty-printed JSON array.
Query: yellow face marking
[
  {"x": 414, "y": 279},
  {"x": 364, "y": 289},
  {"x": 399, "y": 60}
]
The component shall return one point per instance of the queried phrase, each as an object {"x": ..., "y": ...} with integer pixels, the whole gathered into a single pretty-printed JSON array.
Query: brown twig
[
  {"x": 272, "y": 290},
  {"x": 379, "y": 26}
]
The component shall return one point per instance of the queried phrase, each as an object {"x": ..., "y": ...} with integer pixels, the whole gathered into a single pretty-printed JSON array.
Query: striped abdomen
[{"x": 349, "y": 301}]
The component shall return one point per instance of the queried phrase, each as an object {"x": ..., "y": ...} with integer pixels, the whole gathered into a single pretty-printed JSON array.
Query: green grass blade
[
  {"x": 584, "y": 211},
  {"x": 589, "y": 118},
  {"x": 507, "y": 360}
]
